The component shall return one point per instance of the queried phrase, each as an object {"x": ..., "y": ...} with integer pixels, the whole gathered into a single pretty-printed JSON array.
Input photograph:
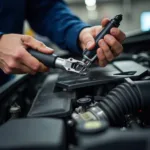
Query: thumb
[
  {"x": 89, "y": 41},
  {"x": 104, "y": 22},
  {"x": 35, "y": 44}
]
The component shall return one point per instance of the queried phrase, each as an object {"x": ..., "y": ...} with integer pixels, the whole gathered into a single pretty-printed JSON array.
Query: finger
[
  {"x": 118, "y": 34},
  {"x": 104, "y": 22},
  {"x": 114, "y": 53},
  {"x": 106, "y": 50},
  {"x": 35, "y": 44},
  {"x": 2, "y": 66},
  {"x": 13, "y": 65},
  {"x": 96, "y": 30},
  {"x": 113, "y": 43},
  {"x": 6, "y": 68},
  {"x": 88, "y": 41},
  {"x": 17, "y": 68},
  {"x": 46, "y": 69},
  {"x": 23, "y": 70},
  {"x": 103, "y": 63},
  {"x": 101, "y": 57}
]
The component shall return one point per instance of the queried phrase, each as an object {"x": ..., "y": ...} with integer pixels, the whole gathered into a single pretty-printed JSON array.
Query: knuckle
[
  {"x": 110, "y": 40},
  {"x": 28, "y": 38},
  {"x": 41, "y": 44},
  {"x": 8, "y": 71},
  {"x": 113, "y": 42},
  {"x": 18, "y": 55},
  {"x": 102, "y": 43},
  {"x": 11, "y": 64},
  {"x": 106, "y": 50},
  {"x": 106, "y": 37},
  {"x": 36, "y": 67},
  {"x": 100, "y": 55}
]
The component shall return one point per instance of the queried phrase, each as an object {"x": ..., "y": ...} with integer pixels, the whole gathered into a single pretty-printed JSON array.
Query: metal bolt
[
  {"x": 15, "y": 109},
  {"x": 70, "y": 123}
]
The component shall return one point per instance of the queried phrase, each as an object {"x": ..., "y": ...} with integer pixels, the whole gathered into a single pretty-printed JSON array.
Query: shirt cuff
[
  {"x": 73, "y": 37},
  {"x": 1, "y": 33}
]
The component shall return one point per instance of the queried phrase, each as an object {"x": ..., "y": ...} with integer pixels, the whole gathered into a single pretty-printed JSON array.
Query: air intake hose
[{"x": 125, "y": 99}]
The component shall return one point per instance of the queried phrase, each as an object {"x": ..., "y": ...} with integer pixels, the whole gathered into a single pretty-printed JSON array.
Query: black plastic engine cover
[
  {"x": 47, "y": 103},
  {"x": 116, "y": 140},
  {"x": 33, "y": 134},
  {"x": 51, "y": 105},
  {"x": 114, "y": 72}
]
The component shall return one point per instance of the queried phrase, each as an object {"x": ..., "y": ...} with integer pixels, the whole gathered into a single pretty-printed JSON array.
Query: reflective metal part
[
  {"x": 87, "y": 63},
  {"x": 70, "y": 123},
  {"x": 71, "y": 65},
  {"x": 92, "y": 114},
  {"x": 85, "y": 58},
  {"x": 98, "y": 112}
]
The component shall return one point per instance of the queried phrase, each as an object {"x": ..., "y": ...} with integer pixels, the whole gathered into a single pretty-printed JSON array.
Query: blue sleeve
[
  {"x": 1, "y": 33},
  {"x": 53, "y": 18}
]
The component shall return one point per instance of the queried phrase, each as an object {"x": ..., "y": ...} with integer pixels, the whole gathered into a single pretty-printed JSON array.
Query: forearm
[{"x": 58, "y": 23}]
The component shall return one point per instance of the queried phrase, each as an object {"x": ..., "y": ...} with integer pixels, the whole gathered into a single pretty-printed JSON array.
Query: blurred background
[{"x": 136, "y": 13}]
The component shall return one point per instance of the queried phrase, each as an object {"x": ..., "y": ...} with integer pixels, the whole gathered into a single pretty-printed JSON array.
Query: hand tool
[
  {"x": 89, "y": 56},
  {"x": 52, "y": 60},
  {"x": 73, "y": 65}
]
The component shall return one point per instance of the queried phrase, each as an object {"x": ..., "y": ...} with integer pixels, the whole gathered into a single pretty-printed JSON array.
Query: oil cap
[
  {"x": 92, "y": 127},
  {"x": 84, "y": 101}
]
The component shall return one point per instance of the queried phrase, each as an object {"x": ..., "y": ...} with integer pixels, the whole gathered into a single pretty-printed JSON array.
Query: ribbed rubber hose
[{"x": 125, "y": 99}]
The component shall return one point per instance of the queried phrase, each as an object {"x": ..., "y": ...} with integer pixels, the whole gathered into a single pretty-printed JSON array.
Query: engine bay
[{"x": 106, "y": 109}]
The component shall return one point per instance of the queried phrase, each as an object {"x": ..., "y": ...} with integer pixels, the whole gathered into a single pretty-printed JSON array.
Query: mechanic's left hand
[{"x": 110, "y": 46}]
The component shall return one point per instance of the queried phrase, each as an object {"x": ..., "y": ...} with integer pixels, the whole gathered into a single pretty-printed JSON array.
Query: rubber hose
[{"x": 125, "y": 99}]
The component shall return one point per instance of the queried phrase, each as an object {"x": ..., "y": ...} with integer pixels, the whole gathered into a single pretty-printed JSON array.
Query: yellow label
[
  {"x": 87, "y": 116},
  {"x": 92, "y": 125}
]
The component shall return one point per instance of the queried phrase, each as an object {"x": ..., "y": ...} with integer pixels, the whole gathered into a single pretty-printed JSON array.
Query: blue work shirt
[{"x": 51, "y": 18}]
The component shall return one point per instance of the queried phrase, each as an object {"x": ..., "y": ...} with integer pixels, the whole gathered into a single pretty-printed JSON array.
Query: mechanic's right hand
[{"x": 14, "y": 57}]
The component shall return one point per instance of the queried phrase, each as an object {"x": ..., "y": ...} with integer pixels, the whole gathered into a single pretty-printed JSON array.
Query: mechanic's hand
[
  {"x": 14, "y": 57},
  {"x": 110, "y": 46}
]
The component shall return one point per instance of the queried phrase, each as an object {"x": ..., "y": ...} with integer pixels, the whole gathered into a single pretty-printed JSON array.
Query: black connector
[{"x": 46, "y": 59}]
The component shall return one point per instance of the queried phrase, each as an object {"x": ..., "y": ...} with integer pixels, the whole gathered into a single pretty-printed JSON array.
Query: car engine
[{"x": 107, "y": 109}]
